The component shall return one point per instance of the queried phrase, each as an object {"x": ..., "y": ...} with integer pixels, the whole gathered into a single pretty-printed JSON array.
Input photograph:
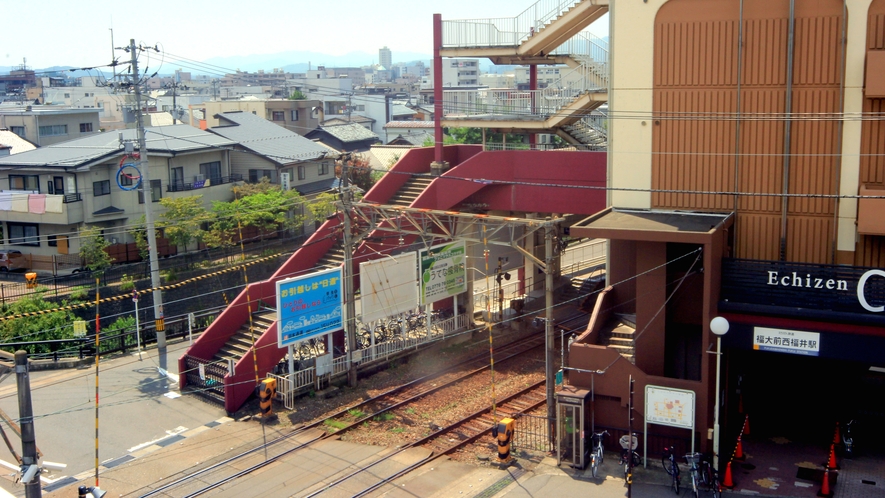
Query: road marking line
[{"x": 178, "y": 430}]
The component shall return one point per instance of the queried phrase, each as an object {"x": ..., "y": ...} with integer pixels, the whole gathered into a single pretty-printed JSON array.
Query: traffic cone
[
  {"x": 831, "y": 463},
  {"x": 728, "y": 481},
  {"x": 739, "y": 451},
  {"x": 825, "y": 485},
  {"x": 837, "y": 437},
  {"x": 747, "y": 425}
]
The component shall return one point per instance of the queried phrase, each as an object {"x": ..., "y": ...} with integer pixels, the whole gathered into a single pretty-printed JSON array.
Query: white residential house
[{"x": 48, "y": 194}]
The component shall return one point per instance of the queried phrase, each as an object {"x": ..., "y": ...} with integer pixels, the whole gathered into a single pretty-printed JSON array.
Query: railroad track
[
  {"x": 444, "y": 441},
  {"x": 346, "y": 419}
]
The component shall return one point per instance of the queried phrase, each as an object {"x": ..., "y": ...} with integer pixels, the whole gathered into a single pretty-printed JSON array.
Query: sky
[{"x": 79, "y": 33}]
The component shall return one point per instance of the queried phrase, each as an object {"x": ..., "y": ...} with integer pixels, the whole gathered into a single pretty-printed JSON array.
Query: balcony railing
[
  {"x": 180, "y": 186},
  {"x": 72, "y": 198},
  {"x": 521, "y": 104},
  {"x": 503, "y": 31}
]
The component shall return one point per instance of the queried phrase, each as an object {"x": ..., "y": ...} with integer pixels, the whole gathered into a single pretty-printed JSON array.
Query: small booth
[{"x": 572, "y": 447}]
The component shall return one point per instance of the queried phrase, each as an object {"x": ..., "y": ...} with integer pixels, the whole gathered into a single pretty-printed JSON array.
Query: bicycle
[
  {"x": 694, "y": 470},
  {"x": 668, "y": 460},
  {"x": 598, "y": 452},
  {"x": 710, "y": 477},
  {"x": 628, "y": 453}
]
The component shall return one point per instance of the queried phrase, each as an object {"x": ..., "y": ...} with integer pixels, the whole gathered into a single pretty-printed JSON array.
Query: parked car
[{"x": 12, "y": 260}]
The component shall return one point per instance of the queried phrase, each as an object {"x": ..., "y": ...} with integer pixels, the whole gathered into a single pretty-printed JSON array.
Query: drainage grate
[{"x": 872, "y": 483}]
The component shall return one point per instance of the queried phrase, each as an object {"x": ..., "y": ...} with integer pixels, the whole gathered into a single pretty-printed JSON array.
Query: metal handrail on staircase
[{"x": 503, "y": 31}]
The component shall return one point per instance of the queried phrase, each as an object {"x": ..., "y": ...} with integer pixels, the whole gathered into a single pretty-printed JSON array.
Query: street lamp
[{"x": 718, "y": 326}]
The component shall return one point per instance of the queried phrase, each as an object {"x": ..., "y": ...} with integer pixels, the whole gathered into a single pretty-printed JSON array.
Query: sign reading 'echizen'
[{"x": 309, "y": 306}]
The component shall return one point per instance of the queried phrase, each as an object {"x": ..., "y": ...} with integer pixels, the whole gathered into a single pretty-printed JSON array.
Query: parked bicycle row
[{"x": 700, "y": 467}]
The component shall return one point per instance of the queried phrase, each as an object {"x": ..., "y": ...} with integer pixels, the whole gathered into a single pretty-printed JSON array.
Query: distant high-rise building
[{"x": 385, "y": 58}]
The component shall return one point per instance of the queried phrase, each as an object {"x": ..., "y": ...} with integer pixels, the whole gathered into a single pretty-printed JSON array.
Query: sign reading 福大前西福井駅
[
  {"x": 309, "y": 306},
  {"x": 786, "y": 341},
  {"x": 443, "y": 271}
]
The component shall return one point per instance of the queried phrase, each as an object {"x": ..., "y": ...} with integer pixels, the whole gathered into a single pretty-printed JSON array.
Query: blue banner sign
[{"x": 309, "y": 306}]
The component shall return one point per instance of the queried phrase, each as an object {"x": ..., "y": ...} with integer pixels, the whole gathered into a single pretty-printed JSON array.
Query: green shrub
[
  {"x": 127, "y": 283},
  {"x": 79, "y": 293}
]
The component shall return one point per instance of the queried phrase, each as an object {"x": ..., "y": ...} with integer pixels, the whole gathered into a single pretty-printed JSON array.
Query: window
[
  {"x": 323, "y": 169},
  {"x": 255, "y": 175},
  {"x": 178, "y": 178},
  {"x": 101, "y": 188},
  {"x": 52, "y": 240},
  {"x": 21, "y": 234},
  {"x": 295, "y": 115},
  {"x": 53, "y": 130},
  {"x": 278, "y": 115},
  {"x": 212, "y": 172},
  {"x": 85, "y": 127},
  {"x": 57, "y": 185},
  {"x": 301, "y": 174},
  {"x": 18, "y": 130},
  {"x": 125, "y": 180},
  {"x": 24, "y": 182},
  {"x": 67, "y": 95},
  {"x": 156, "y": 192}
]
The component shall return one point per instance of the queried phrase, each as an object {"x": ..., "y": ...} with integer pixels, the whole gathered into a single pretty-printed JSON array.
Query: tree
[
  {"x": 323, "y": 206},
  {"x": 359, "y": 169},
  {"x": 297, "y": 95},
  {"x": 183, "y": 219},
  {"x": 92, "y": 249},
  {"x": 260, "y": 205}
]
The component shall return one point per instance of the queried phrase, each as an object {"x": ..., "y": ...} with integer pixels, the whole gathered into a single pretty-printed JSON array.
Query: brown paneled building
[{"x": 746, "y": 166}]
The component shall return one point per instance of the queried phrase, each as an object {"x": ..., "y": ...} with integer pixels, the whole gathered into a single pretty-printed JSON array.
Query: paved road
[{"x": 134, "y": 409}]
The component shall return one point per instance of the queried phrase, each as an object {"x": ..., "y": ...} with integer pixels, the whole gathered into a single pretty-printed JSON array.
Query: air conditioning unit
[{"x": 199, "y": 178}]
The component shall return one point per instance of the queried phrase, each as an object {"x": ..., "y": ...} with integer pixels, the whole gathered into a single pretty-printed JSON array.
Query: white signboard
[
  {"x": 388, "y": 286},
  {"x": 786, "y": 341},
  {"x": 668, "y": 406},
  {"x": 443, "y": 271}
]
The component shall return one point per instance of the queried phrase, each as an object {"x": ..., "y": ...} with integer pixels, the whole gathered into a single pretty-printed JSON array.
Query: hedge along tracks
[
  {"x": 302, "y": 437},
  {"x": 446, "y": 440}
]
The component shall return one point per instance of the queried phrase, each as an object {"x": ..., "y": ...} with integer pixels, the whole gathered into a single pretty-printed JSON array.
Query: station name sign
[
  {"x": 845, "y": 289},
  {"x": 809, "y": 282}
]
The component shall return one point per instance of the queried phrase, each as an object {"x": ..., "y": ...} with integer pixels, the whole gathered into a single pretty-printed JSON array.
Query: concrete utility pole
[
  {"x": 26, "y": 418},
  {"x": 144, "y": 168},
  {"x": 350, "y": 309},
  {"x": 548, "y": 322}
]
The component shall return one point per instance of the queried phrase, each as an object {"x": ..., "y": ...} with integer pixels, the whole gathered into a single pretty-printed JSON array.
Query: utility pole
[
  {"x": 548, "y": 322},
  {"x": 26, "y": 418},
  {"x": 144, "y": 168},
  {"x": 350, "y": 309}
]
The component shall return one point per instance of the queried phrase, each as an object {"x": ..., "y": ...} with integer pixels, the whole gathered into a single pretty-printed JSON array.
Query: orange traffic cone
[
  {"x": 728, "y": 481},
  {"x": 739, "y": 451},
  {"x": 747, "y": 425},
  {"x": 831, "y": 463},
  {"x": 825, "y": 485},
  {"x": 837, "y": 436}
]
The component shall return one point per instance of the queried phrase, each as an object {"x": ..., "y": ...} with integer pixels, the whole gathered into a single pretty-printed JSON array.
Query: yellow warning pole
[{"x": 485, "y": 243}]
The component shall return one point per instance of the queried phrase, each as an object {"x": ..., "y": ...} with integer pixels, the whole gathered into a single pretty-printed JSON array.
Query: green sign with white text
[{"x": 443, "y": 271}]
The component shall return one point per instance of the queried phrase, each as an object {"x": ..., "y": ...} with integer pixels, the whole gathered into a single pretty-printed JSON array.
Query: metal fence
[
  {"x": 121, "y": 341},
  {"x": 533, "y": 432},
  {"x": 15, "y": 287},
  {"x": 288, "y": 385}
]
